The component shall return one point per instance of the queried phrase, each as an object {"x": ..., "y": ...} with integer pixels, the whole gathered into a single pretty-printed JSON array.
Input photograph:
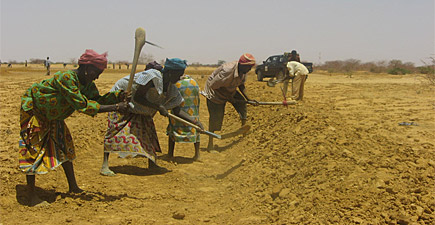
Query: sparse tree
[
  {"x": 429, "y": 70},
  {"x": 396, "y": 67}
]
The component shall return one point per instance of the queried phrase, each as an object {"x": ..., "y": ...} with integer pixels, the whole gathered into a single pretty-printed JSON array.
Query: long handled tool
[
  {"x": 262, "y": 103},
  {"x": 139, "y": 43},
  {"x": 194, "y": 126},
  {"x": 153, "y": 44},
  {"x": 274, "y": 103}
]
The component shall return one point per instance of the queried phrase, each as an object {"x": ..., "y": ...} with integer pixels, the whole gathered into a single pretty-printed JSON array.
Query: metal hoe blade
[{"x": 153, "y": 44}]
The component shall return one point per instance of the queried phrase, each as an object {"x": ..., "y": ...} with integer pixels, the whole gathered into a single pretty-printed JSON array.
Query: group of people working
[{"x": 46, "y": 141}]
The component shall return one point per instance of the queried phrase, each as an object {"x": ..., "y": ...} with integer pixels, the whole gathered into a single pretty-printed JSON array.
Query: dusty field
[{"x": 338, "y": 157}]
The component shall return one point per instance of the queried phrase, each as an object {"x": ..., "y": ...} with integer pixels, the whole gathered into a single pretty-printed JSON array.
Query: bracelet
[{"x": 117, "y": 107}]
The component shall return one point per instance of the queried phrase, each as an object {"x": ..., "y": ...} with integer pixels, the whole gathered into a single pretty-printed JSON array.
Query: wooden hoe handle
[
  {"x": 139, "y": 43},
  {"x": 194, "y": 126}
]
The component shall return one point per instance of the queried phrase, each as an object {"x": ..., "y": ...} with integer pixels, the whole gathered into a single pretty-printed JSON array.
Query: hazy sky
[{"x": 207, "y": 31}]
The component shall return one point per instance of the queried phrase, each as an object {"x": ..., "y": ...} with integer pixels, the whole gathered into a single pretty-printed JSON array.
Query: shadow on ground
[{"x": 139, "y": 171}]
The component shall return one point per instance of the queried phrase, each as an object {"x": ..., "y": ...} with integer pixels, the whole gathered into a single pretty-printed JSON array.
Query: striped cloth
[{"x": 44, "y": 144}]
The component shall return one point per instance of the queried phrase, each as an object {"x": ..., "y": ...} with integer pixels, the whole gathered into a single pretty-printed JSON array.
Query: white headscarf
[
  {"x": 155, "y": 95},
  {"x": 144, "y": 77}
]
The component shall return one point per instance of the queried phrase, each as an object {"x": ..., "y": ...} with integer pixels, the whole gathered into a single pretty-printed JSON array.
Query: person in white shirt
[
  {"x": 47, "y": 65},
  {"x": 298, "y": 72}
]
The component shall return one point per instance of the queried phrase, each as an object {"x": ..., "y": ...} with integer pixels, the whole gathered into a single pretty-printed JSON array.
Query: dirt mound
[{"x": 340, "y": 157}]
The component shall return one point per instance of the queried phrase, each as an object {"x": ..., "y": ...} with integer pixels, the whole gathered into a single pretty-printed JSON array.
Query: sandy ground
[{"x": 338, "y": 157}]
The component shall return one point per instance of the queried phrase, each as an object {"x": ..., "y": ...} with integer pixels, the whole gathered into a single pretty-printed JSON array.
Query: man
[
  {"x": 47, "y": 65},
  {"x": 221, "y": 87},
  {"x": 298, "y": 82},
  {"x": 299, "y": 72},
  {"x": 294, "y": 56}
]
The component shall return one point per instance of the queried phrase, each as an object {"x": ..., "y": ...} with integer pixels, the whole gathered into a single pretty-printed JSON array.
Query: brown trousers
[{"x": 298, "y": 87}]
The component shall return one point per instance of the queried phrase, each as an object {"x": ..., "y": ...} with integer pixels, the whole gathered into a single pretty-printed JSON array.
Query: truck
[{"x": 276, "y": 66}]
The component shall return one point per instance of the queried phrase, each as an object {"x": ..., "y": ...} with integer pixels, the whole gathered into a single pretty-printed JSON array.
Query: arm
[
  {"x": 180, "y": 113},
  {"x": 140, "y": 97},
  {"x": 291, "y": 69},
  {"x": 242, "y": 89},
  {"x": 107, "y": 108},
  {"x": 111, "y": 101},
  {"x": 120, "y": 107},
  {"x": 68, "y": 87},
  {"x": 106, "y": 99},
  {"x": 221, "y": 77}
]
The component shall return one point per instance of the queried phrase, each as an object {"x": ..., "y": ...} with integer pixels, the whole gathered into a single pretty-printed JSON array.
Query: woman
[
  {"x": 135, "y": 133},
  {"x": 179, "y": 132},
  {"x": 46, "y": 141}
]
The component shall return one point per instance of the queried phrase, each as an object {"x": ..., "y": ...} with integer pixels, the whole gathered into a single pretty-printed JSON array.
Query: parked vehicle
[{"x": 275, "y": 65}]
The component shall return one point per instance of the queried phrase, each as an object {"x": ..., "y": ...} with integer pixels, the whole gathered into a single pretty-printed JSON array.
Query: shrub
[{"x": 398, "y": 71}]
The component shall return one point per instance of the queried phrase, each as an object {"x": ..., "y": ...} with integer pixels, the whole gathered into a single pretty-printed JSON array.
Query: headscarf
[
  {"x": 247, "y": 59},
  {"x": 93, "y": 58},
  {"x": 174, "y": 64},
  {"x": 153, "y": 75},
  {"x": 154, "y": 65}
]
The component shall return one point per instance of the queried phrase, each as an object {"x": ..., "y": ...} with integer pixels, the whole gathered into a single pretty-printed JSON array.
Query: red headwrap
[
  {"x": 247, "y": 59},
  {"x": 93, "y": 58}
]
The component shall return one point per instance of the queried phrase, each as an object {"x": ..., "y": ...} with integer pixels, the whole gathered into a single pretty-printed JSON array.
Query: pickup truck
[{"x": 275, "y": 65}]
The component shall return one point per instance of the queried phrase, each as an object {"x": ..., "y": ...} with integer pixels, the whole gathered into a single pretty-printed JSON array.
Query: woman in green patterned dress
[
  {"x": 177, "y": 131},
  {"x": 45, "y": 140}
]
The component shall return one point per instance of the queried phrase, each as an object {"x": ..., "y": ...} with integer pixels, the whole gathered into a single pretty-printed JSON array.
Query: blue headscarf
[{"x": 175, "y": 64}]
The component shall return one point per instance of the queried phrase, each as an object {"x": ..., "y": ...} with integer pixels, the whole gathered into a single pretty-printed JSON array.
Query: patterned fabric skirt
[
  {"x": 44, "y": 145},
  {"x": 133, "y": 135},
  {"x": 177, "y": 131}
]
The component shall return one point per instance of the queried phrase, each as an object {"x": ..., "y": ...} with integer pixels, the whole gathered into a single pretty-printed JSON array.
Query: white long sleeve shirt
[{"x": 296, "y": 68}]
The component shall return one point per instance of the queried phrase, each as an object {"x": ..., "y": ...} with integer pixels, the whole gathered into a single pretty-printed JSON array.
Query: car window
[
  {"x": 269, "y": 60},
  {"x": 275, "y": 58},
  {"x": 281, "y": 59}
]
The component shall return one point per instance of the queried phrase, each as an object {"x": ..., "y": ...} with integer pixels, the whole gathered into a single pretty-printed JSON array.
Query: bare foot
[
  {"x": 76, "y": 190},
  {"x": 107, "y": 172},
  {"x": 197, "y": 158}
]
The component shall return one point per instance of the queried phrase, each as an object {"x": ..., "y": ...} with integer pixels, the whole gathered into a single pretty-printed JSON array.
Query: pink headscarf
[
  {"x": 247, "y": 59},
  {"x": 93, "y": 58}
]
